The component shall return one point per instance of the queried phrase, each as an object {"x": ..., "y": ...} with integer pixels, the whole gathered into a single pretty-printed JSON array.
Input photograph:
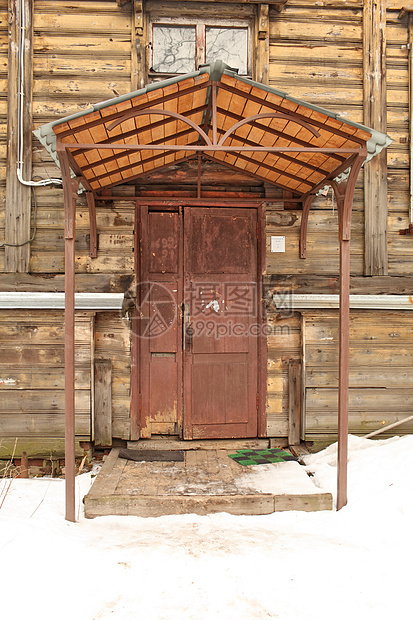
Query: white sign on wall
[{"x": 277, "y": 244}]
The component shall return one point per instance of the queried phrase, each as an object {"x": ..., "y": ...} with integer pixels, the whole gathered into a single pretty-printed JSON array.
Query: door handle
[{"x": 186, "y": 328}]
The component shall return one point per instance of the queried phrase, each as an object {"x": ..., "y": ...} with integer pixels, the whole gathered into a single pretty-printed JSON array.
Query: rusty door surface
[
  {"x": 220, "y": 311},
  {"x": 199, "y": 328},
  {"x": 159, "y": 301}
]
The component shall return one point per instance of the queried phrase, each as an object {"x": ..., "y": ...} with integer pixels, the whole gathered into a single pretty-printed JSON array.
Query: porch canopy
[{"x": 230, "y": 119}]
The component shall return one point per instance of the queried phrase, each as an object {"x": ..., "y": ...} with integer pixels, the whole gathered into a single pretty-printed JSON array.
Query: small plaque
[{"x": 277, "y": 244}]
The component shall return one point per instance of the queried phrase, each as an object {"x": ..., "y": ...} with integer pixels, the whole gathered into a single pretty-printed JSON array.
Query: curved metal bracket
[
  {"x": 256, "y": 117},
  {"x": 344, "y": 193},
  {"x": 304, "y": 223},
  {"x": 175, "y": 115}
]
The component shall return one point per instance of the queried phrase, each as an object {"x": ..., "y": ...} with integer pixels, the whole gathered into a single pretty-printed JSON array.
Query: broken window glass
[
  {"x": 229, "y": 45},
  {"x": 173, "y": 49}
]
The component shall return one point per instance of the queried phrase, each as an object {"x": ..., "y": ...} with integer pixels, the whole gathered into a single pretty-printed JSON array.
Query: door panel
[
  {"x": 219, "y": 243},
  {"x": 220, "y": 386},
  {"x": 160, "y": 333}
]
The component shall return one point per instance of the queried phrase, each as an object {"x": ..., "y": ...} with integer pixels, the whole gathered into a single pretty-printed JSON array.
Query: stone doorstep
[{"x": 104, "y": 500}]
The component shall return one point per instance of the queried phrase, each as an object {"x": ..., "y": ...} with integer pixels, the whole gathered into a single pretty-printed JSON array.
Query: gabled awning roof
[{"x": 236, "y": 121}]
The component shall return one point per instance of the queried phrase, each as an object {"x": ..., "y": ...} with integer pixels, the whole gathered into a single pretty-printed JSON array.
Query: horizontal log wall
[
  {"x": 381, "y": 379},
  {"x": 32, "y": 381},
  {"x": 82, "y": 55},
  {"x": 115, "y": 237}
]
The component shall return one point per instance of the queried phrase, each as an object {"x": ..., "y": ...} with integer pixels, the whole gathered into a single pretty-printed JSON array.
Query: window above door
[{"x": 182, "y": 45}]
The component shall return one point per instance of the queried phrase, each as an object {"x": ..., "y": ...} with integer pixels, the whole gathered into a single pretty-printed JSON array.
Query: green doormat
[{"x": 261, "y": 457}]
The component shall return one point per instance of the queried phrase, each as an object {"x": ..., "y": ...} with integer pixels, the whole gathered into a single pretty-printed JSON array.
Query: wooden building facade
[{"x": 352, "y": 58}]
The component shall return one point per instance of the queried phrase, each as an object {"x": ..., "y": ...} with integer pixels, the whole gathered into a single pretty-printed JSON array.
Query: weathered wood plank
[
  {"x": 204, "y": 444},
  {"x": 392, "y": 356},
  {"x": 362, "y": 377},
  {"x": 138, "y": 45},
  {"x": 285, "y": 28},
  {"x": 276, "y": 427},
  {"x": 12, "y": 378},
  {"x": 92, "y": 89},
  {"x": 307, "y": 284},
  {"x": 383, "y": 400},
  {"x": 151, "y": 506},
  {"x": 41, "y": 425},
  {"x": 41, "y": 401},
  {"x": 86, "y": 282},
  {"x": 106, "y": 262},
  {"x": 47, "y": 356},
  {"x": 109, "y": 475},
  {"x": 319, "y": 221},
  {"x": 360, "y": 423},
  {"x": 294, "y": 418},
  {"x": 73, "y": 22},
  {"x": 69, "y": 66},
  {"x": 37, "y": 447},
  {"x": 375, "y": 116},
  {"x": 262, "y": 60},
  {"x": 244, "y": 9},
  {"x": 391, "y": 329},
  {"x": 103, "y": 403},
  {"x": 313, "y": 264},
  {"x": 101, "y": 44}
]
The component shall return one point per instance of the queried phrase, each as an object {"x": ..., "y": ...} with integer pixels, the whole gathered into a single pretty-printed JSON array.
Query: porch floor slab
[{"x": 207, "y": 481}]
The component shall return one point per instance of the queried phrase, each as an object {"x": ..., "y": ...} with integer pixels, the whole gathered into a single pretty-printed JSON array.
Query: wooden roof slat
[
  {"x": 283, "y": 156},
  {"x": 272, "y": 101},
  {"x": 119, "y": 154},
  {"x": 110, "y": 114}
]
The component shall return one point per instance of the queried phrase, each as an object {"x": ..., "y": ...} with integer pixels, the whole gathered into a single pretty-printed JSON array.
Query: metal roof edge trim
[
  {"x": 368, "y": 302},
  {"x": 56, "y": 301}
]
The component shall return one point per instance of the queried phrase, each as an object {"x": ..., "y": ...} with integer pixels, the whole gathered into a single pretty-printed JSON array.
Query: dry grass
[{"x": 7, "y": 475}]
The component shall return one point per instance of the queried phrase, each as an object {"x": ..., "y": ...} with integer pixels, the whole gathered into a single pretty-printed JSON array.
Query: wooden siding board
[{"x": 381, "y": 388}]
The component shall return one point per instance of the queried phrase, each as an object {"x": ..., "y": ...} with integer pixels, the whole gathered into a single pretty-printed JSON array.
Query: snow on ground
[{"x": 352, "y": 564}]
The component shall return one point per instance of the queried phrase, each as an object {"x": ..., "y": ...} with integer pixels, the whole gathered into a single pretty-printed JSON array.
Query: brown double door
[{"x": 198, "y": 322}]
